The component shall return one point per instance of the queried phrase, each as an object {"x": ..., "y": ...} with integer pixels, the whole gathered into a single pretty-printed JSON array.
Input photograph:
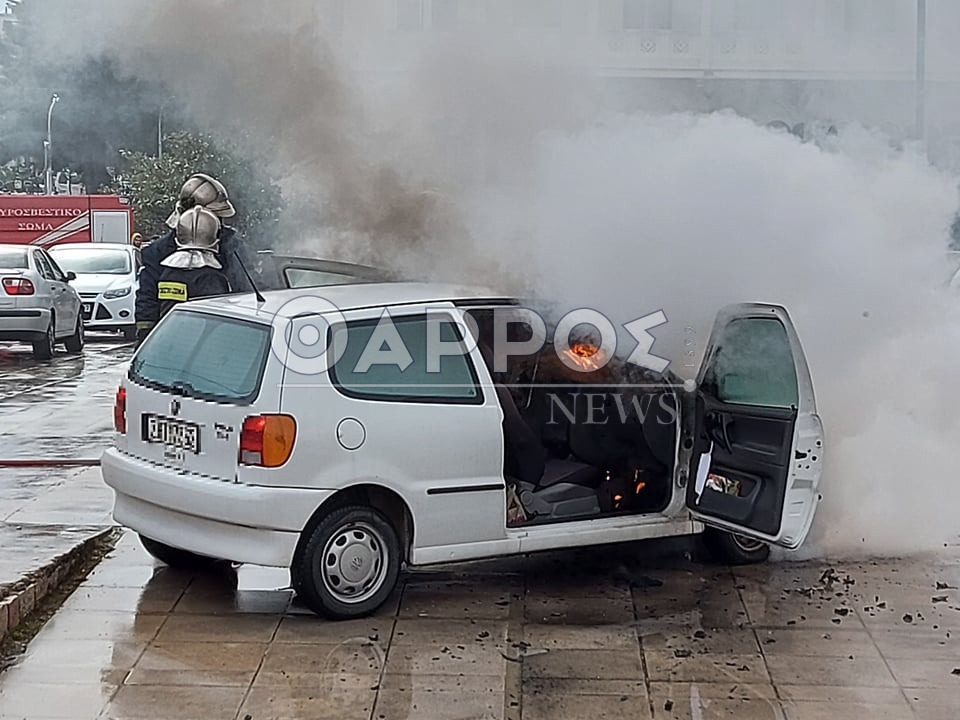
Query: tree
[{"x": 152, "y": 183}]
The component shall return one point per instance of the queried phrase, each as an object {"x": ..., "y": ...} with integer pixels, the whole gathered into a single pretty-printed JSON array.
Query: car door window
[
  {"x": 753, "y": 365},
  {"x": 58, "y": 274},
  {"x": 455, "y": 383},
  {"x": 43, "y": 266}
]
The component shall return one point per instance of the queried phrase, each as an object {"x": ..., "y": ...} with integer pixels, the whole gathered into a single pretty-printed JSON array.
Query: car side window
[
  {"x": 306, "y": 277},
  {"x": 43, "y": 266},
  {"x": 753, "y": 364},
  {"x": 58, "y": 274},
  {"x": 401, "y": 377}
]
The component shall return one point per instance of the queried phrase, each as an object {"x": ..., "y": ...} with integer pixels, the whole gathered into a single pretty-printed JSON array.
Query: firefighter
[
  {"x": 193, "y": 271},
  {"x": 203, "y": 191}
]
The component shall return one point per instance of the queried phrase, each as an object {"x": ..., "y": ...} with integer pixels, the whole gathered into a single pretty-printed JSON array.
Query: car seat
[{"x": 548, "y": 487}]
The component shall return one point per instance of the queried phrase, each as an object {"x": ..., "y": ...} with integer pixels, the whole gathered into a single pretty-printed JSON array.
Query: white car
[
  {"x": 107, "y": 283},
  {"x": 37, "y": 303},
  {"x": 231, "y": 447}
]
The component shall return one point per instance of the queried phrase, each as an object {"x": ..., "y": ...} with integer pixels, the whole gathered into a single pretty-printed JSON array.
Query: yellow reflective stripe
[{"x": 175, "y": 291}]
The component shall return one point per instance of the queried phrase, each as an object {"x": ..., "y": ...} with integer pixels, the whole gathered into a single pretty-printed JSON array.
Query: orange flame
[{"x": 585, "y": 355}]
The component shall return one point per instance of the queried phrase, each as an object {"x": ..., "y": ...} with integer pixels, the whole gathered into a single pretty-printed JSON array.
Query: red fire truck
[{"x": 53, "y": 219}]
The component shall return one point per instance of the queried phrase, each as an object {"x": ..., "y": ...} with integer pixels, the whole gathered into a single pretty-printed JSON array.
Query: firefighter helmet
[
  {"x": 205, "y": 191},
  {"x": 198, "y": 229}
]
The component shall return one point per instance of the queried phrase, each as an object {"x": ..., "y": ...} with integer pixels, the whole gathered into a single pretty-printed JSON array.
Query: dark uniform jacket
[
  {"x": 177, "y": 285},
  {"x": 148, "y": 301}
]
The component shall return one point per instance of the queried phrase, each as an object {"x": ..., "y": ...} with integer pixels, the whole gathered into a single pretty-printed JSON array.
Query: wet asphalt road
[
  {"x": 61, "y": 408},
  {"x": 635, "y": 631}
]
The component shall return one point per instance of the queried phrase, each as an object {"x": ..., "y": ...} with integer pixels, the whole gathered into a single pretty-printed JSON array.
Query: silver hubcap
[
  {"x": 747, "y": 544},
  {"x": 354, "y": 563}
]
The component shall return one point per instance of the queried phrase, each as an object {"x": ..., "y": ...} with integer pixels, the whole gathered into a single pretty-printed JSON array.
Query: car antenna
[{"x": 260, "y": 298}]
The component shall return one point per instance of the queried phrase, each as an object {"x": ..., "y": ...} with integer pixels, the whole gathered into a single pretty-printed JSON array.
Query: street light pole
[
  {"x": 163, "y": 107},
  {"x": 48, "y": 148},
  {"x": 160, "y": 132},
  {"x": 921, "y": 80}
]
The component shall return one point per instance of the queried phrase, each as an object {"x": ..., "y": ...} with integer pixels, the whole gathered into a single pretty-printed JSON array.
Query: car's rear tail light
[
  {"x": 18, "y": 286},
  {"x": 120, "y": 410},
  {"x": 267, "y": 440}
]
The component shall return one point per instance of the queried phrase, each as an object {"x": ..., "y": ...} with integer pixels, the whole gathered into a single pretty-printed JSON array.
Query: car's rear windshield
[
  {"x": 13, "y": 258},
  {"x": 204, "y": 356},
  {"x": 95, "y": 261}
]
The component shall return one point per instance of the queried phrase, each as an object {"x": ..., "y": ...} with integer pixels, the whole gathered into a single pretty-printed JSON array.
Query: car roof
[
  {"x": 350, "y": 297},
  {"x": 92, "y": 246}
]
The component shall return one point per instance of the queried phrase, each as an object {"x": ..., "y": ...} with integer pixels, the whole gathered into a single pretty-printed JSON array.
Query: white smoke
[
  {"x": 482, "y": 163},
  {"x": 691, "y": 213}
]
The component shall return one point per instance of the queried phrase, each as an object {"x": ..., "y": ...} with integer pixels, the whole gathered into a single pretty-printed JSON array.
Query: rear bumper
[
  {"x": 24, "y": 325},
  {"x": 243, "y": 523}
]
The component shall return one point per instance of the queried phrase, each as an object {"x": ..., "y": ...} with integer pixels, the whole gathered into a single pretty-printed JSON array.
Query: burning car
[{"x": 231, "y": 444}]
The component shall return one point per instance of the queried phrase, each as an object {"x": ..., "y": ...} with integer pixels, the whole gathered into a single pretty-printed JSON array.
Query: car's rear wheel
[
  {"x": 735, "y": 549},
  {"x": 349, "y": 563},
  {"x": 175, "y": 557},
  {"x": 75, "y": 342},
  {"x": 43, "y": 349}
]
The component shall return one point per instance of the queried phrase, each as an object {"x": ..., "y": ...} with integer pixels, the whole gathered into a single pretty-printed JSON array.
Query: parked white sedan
[
  {"x": 37, "y": 303},
  {"x": 106, "y": 281}
]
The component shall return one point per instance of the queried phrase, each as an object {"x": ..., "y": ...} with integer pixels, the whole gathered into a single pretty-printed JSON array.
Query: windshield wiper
[{"x": 184, "y": 389}]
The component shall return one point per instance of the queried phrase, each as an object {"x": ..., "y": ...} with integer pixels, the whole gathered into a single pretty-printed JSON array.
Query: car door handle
[{"x": 718, "y": 426}]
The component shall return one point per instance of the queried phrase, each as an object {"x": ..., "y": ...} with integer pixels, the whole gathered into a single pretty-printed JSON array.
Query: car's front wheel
[
  {"x": 75, "y": 342},
  {"x": 735, "y": 549},
  {"x": 43, "y": 348},
  {"x": 349, "y": 563},
  {"x": 175, "y": 557}
]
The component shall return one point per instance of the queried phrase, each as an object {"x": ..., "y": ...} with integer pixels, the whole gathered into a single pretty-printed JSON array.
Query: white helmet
[
  {"x": 198, "y": 229},
  {"x": 203, "y": 191},
  {"x": 198, "y": 240}
]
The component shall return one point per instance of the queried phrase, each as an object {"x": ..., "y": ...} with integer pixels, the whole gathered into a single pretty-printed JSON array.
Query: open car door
[{"x": 758, "y": 443}]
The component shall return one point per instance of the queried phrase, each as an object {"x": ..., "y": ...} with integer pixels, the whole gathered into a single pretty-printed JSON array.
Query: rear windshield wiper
[{"x": 182, "y": 388}]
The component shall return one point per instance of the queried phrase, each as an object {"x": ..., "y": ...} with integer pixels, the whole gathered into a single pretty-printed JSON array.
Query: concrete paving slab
[{"x": 138, "y": 641}]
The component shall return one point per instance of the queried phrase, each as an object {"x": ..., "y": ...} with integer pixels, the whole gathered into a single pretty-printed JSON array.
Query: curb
[{"x": 26, "y": 595}]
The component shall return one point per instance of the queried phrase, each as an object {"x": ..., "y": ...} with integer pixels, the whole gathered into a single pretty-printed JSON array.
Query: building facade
[{"x": 788, "y": 61}]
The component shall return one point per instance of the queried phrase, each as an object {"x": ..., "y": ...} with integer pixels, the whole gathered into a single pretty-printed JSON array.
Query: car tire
[
  {"x": 175, "y": 557},
  {"x": 75, "y": 342},
  {"x": 130, "y": 333},
  {"x": 734, "y": 549},
  {"x": 43, "y": 349},
  {"x": 349, "y": 563}
]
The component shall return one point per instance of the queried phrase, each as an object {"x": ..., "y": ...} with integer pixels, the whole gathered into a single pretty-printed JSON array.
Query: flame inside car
[{"x": 587, "y": 356}]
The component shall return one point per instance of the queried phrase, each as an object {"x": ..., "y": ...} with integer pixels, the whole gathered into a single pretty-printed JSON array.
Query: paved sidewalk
[
  {"x": 54, "y": 411},
  {"x": 563, "y": 636},
  {"x": 44, "y": 515}
]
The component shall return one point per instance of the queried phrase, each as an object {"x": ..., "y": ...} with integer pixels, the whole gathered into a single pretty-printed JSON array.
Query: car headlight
[{"x": 117, "y": 293}]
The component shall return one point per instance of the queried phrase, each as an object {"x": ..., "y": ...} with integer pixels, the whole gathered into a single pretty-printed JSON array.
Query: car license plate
[
  {"x": 87, "y": 309},
  {"x": 171, "y": 433}
]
